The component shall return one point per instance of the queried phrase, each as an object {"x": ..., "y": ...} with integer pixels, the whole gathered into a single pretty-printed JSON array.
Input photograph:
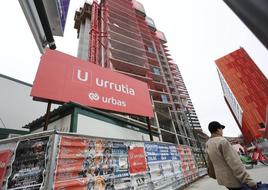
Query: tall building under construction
[
  {"x": 118, "y": 35},
  {"x": 245, "y": 90}
]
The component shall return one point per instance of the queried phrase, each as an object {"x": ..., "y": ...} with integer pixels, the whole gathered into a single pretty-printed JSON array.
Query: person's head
[
  {"x": 92, "y": 170},
  {"x": 99, "y": 146},
  {"x": 97, "y": 159},
  {"x": 99, "y": 183},
  {"x": 215, "y": 127}
]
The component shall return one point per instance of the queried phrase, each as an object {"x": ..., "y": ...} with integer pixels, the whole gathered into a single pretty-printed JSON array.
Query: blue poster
[
  {"x": 152, "y": 152},
  {"x": 174, "y": 153},
  {"x": 161, "y": 152},
  {"x": 164, "y": 151},
  {"x": 120, "y": 159}
]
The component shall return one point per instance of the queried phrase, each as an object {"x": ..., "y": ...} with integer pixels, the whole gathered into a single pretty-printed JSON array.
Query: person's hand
[
  {"x": 252, "y": 184},
  {"x": 254, "y": 187}
]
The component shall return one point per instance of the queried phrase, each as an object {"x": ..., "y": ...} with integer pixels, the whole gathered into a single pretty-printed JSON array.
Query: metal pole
[
  {"x": 149, "y": 128},
  {"x": 47, "y": 116},
  {"x": 51, "y": 42},
  {"x": 45, "y": 23}
]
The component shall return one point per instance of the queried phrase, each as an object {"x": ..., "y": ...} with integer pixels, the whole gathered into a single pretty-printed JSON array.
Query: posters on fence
[
  {"x": 29, "y": 164},
  {"x": 121, "y": 166},
  {"x": 83, "y": 163},
  {"x": 89, "y": 163},
  {"x": 163, "y": 163},
  {"x": 5, "y": 156},
  {"x": 137, "y": 160},
  {"x": 138, "y": 166},
  {"x": 92, "y": 164}
]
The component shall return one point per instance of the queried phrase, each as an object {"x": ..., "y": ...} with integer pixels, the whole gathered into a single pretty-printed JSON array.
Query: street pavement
[{"x": 259, "y": 173}]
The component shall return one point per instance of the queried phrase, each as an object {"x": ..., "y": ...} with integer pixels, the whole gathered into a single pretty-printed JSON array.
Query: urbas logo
[
  {"x": 82, "y": 76},
  {"x": 87, "y": 78}
]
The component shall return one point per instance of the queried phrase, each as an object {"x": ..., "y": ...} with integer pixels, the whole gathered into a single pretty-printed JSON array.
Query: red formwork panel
[{"x": 249, "y": 86}]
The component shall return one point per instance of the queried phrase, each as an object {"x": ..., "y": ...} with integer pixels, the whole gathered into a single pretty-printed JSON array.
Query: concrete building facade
[{"x": 118, "y": 35}]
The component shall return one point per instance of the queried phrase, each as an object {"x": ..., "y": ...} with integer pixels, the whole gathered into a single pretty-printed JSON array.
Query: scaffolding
[{"x": 125, "y": 40}]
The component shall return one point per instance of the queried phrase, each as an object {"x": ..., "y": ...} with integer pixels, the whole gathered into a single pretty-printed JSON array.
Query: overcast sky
[{"x": 198, "y": 32}]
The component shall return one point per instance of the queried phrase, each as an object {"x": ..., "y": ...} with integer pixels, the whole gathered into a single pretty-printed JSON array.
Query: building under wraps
[
  {"x": 117, "y": 34},
  {"x": 245, "y": 90}
]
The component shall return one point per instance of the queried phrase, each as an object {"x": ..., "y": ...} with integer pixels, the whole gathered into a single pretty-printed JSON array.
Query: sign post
[
  {"x": 47, "y": 115},
  {"x": 149, "y": 128}
]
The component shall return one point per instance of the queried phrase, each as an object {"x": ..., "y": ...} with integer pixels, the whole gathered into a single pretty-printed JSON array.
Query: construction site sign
[{"x": 64, "y": 78}]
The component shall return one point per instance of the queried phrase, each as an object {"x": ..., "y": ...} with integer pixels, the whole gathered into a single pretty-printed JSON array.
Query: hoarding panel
[
  {"x": 266, "y": 124},
  {"x": 92, "y": 164},
  {"x": 5, "y": 155},
  {"x": 29, "y": 164},
  {"x": 164, "y": 165},
  {"x": 83, "y": 163},
  {"x": 137, "y": 161},
  {"x": 64, "y": 78}
]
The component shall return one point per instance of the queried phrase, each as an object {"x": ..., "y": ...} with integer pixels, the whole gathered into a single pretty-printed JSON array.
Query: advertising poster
[
  {"x": 137, "y": 160},
  {"x": 187, "y": 163},
  {"x": 163, "y": 163},
  {"x": 164, "y": 152},
  {"x": 96, "y": 164},
  {"x": 120, "y": 162},
  {"x": 5, "y": 156},
  {"x": 154, "y": 159},
  {"x": 174, "y": 153},
  {"x": 29, "y": 164},
  {"x": 74, "y": 184},
  {"x": 84, "y": 164},
  {"x": 138, "y": 166},
  {"x": 141, "y": 181},
  {"x": 176, "y": 164},
  {"x": 72, "y": 154},
  {"x": 152, "y": 152}
]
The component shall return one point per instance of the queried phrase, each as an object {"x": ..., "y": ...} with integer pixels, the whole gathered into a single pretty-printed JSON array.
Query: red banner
[
  {"x": 266, "y": 124},
  {"x": 74, "y": 184},
  {"x": 84, "y": 164},
  {"x": 64, "y": 78},
  {"x": 4, "y": 159},
  {"x": 137, "y": 160},
  {"x": 72, "y": 154}
]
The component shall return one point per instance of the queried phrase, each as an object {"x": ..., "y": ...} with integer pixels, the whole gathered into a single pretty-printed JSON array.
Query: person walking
[{"x": 224, "y": 163}]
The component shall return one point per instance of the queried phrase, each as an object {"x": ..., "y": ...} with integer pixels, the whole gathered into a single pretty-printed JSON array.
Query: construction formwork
[{"x": 129, "y": 43}]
